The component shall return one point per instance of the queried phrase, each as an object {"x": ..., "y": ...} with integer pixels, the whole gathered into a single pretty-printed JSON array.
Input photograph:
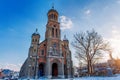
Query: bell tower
[
  {"x": 35, "y": 38},
  {"x": 54, "y": 48},
  {"x": 34, "y": 43},
  {"x": 52, "y": 15},
  {"x": 53, "y": 26}
]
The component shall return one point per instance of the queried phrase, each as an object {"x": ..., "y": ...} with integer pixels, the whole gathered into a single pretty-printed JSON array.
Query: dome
[
  {"x": 52, "y": 15},
  {"x": 52, "y": 10},
  {"x": 36, "y": 33}
]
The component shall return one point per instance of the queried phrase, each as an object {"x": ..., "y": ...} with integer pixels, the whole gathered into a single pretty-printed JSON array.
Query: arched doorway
[
  {"x": 41, "y": 70},
  {"x": 54, "y": 70}
]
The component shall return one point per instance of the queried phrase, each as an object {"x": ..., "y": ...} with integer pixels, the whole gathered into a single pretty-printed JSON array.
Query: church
[{"x": 50, "y": 58}]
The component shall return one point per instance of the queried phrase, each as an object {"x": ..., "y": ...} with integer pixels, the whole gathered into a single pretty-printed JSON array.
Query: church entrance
[
  {"x": 41, "y": 70},
  {"x": 54, "y": 70}
]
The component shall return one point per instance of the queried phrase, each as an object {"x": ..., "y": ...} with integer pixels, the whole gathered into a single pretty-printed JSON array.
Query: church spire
[
  {"x": 35, "y": 38},
  {"x": 52, "y": 5},
  {"x": 52, "y": 14},
  {"x": 36, "y": 31},
  {"x": 64, "y": 37}
]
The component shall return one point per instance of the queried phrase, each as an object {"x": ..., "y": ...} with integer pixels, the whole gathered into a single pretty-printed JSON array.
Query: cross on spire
[
  {"x": 36, "y": 30},
  {"x": 52, "y": 5},
  {"x": 65, "y": 37}
]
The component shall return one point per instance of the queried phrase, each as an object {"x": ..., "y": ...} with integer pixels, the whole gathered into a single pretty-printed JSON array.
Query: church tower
[
  {"x": 35, "y": 38},
  {"x": 34, "y": 44},
  {"x": 33, "y": 54},
  {"x": 53, "y": 26},
  {"x": 54, "y": 48}
]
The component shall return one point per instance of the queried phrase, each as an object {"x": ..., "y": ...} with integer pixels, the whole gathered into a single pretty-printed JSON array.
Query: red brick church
[{"x": 51, "y": 57}]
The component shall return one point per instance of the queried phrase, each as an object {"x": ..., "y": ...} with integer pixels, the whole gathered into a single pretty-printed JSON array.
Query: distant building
[
  {"x": 6, "y": 73},
  {"x": 1, "y": 74},
  {"x": 52, "y": 57}
]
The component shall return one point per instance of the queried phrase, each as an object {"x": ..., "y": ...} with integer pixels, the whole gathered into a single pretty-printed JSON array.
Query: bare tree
[{"x": 89, "y": 47}]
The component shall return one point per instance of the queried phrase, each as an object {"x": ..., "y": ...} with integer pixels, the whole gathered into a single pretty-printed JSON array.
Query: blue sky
[{"x": 20, "y": 18}]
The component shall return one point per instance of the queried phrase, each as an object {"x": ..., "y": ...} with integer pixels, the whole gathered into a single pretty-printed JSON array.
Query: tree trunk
[{"x": 89, "y": 69}]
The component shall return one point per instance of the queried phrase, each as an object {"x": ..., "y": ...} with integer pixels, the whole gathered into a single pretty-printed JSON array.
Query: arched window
[
  {"x": 54, "y": 45},
  {"x": 56, "y": 33},
  {"x": 54, "y": 25},
  {"x": 52, "y": 16},
  {"x": 32, "y": 40},
  {"x": 52, "y": 32},
  {"x": 42, "y": 52},
  {"x": 35, "y": 40},
  {"x": 32, "y": 67},
  {"x": 34, "y": 50}
]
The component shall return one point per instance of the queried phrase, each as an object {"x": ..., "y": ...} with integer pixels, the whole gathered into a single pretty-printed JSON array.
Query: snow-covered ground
[
  {"x": 116, "y": 77},
  {"x": 98, "y": 78}
]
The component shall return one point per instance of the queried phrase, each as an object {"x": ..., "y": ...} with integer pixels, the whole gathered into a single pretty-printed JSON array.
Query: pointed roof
[
  {"x": 65, "y": 38},
  {"x": 36, "y": 32},
  {"x": 53, "y": 6},
  {"x": 52, "y": 9}
]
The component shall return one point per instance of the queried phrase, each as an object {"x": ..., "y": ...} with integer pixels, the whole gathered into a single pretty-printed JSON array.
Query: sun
[
  {"x": 115, "y": 43},
  {"x": 116, "y": 48}
]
